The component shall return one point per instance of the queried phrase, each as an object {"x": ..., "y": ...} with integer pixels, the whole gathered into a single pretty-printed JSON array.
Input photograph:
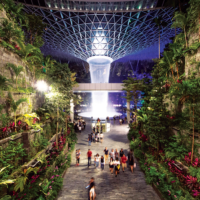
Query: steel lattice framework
[{"x": 110, "y": 34}]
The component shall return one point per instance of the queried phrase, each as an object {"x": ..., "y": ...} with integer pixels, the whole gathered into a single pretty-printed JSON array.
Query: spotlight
[{"x": 42, "y": 86}]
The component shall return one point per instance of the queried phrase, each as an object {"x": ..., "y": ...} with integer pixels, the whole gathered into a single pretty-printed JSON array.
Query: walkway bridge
[{"x": 90, "y": 87}]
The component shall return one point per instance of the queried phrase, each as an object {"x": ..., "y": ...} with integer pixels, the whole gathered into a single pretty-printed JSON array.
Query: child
[
  {"x": 97, "y": 161},
  {"x": 77, "y": 157},
  {"x": 102, "y": 163}
]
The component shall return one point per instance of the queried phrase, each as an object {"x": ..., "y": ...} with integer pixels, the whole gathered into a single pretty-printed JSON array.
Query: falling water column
[{"x": 99, "y": 72}]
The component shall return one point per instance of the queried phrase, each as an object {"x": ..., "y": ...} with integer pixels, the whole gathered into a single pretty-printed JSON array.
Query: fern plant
[
  {"x": 15, "y": 104},
  {"x": 4, "y": 83},
  {"x": 5, "y": 182},
  {"x": 23, "y": 177},
  {"x": 10, "y": 32},
  {"x": 16, "y": 69}
]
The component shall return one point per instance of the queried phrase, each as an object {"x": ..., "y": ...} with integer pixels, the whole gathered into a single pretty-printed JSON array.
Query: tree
[
  {"x": 17, "y": 70},
  {"x": 157, "y": 125},
  {"x": 187, "y": 93},
  {"x": 180, "y": 20},
  {"x": 34, "y": 29},
  {"x": 15, "y": 104},
  {"x": 30, "y": 55},
  {"x": 167, "y": 62},
  {"x": 133, "y": 87},
  {"x": 160, "y": 24},
  {"x": 62, "y": 81}
]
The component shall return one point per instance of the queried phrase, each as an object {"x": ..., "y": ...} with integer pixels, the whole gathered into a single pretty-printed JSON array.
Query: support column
[
  {"x": 72, "y": 110},
  {"x": 128, "y": 111}
]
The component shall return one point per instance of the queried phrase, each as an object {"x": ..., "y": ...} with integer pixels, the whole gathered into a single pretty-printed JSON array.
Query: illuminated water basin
[{"x": 99, "y": 115}]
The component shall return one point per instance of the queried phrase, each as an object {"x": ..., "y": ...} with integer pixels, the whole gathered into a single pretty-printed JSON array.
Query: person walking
[
  {"x": 97, "y": 161},
  {"x": 111, "y": 165},
  {"x": 92, "y": 191},
  {"x": 93, "y": 136},
  {"x": 123, "y": 161},
  {"x": 98, "y": 137},
  {"x": 106, "y": 154},
  {"x": 77, "y": 157},
  {"x": 114, "y": 119},
  {"x": 84, "y": 125},
  {"x": 102, "y": 163},
  {"x": 91, "y": 185},
  {"x": 129, "y": 154},
  {"x": 131, "y": 162},
  {"x": 89, "y": 139},
  {"x": 117, "y": 166},
  {"x": 79, "y": 128},
  {"x": 121, "y": 154},
  {"x": 112, "y": 154},
  {"x": 116, "y": 154},
  {"x": 101, "y": 137},
  {"x": 89, "y": 155}
]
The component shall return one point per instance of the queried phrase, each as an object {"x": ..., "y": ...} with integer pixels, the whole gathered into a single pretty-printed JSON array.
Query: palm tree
[
  {"x": 167, "y": 62},
  {"x": 178, "y": 55},
  {"x": 159, "y": 23},
  {"x": 15, "y": 104},
  {"x": 29, "y": 55},
  {"x": 16, "y": 69},
  {"x": 133, "y": 87},
  {"x": 4, "y": 83},
  {"x": 49, "y": 63},
  {"x": 180, "y": 20}
]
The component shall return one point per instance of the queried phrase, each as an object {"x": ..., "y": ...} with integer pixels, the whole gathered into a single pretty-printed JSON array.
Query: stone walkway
[{"x": 126, "y": 186}]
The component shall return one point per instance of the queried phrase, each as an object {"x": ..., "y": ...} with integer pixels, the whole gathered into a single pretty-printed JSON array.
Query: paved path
[{"x": 126, "y": 186}]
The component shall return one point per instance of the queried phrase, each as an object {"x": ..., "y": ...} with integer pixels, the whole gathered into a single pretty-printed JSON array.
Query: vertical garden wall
[
  {"x": 165, "y": 137},
  {"x": 35, "y": 93}
]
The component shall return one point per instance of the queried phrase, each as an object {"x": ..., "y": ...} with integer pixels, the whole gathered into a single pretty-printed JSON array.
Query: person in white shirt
[{"x": 112, "y": 154}]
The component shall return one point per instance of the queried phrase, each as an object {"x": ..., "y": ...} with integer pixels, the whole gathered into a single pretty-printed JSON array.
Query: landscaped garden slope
[
  {"x": 35, "y": 134},
  {"x": 165, "y": 139}
]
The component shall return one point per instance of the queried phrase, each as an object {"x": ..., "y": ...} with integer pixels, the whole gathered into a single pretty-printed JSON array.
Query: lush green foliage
[{"x": 165, "y": 136}]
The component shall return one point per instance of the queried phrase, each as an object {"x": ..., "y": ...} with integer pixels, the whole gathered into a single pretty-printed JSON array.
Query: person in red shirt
[
  {"x": 89, "y": 155},
  {"x": 123, "y": 160}
]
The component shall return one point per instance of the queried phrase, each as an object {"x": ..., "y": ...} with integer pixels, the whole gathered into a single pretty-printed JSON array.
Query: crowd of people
[
  {"x": 96, "y": 135},
  {"x": 118, "y": 160},
  {"x": 79, "y": 125},
  {"x": 115, "y": 159}
]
